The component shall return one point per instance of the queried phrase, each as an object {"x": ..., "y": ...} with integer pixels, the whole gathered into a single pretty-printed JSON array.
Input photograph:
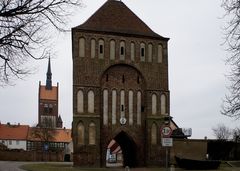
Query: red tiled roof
[
  {"x": 48, "y": 94},
  {"x": 13, "y": 132},
  {"x": 59, "y": 135},
  {"x": 116, "y": 17}
]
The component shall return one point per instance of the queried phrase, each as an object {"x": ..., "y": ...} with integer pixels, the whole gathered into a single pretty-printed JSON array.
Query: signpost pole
[{"x": 166, "y": 159}]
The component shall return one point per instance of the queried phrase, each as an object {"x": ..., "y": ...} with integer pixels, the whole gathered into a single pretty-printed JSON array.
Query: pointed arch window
[
  {"x": 163, "y": 104},
  {"x": 80, "y": 102},
  {"x": 81, "y": 46},
  {"x": 154, "y": 104},
  {"x": 154, "y": 134},
  {"x": 80, "y": 132},
  {"x": 92, "y": 134},
  {"x": 90, "y": 101}
]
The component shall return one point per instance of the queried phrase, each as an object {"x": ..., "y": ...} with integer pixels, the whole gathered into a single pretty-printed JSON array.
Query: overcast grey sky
[{"x": 196, "y": 65}]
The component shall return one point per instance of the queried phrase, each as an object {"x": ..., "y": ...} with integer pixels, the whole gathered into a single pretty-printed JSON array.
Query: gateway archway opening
[{"x": 122, "y": 151}]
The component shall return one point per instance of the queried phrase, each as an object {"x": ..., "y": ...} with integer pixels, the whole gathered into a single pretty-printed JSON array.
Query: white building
[{"x": 14, "y": 136}]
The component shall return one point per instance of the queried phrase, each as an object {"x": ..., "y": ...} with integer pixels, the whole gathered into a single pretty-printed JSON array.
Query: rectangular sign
[{"x": 167, "y": 142}]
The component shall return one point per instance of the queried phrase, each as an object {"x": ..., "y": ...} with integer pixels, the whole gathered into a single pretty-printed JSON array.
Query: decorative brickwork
[{"x": 122, "y": 69}]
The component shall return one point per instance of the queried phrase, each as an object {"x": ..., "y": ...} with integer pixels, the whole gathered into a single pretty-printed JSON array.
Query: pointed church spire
[{"x": 49, "y": 76}]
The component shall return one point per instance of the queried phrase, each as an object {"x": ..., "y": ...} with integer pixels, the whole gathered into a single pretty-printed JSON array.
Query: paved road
[{"x": 10, "y": 166}]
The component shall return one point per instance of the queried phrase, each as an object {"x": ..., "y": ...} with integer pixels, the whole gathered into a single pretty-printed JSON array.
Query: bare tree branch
[{"x": 23, "y": 25}]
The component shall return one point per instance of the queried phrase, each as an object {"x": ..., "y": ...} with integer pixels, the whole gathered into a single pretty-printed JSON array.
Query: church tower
[
  {"x": 120, "y": 89},
  {"x": 48, "y": 103}
]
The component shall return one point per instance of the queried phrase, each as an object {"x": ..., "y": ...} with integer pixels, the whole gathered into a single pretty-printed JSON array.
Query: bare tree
[
  {"x": 44, "y": 133},
  {"x": 231, "y": 104},
  {"x": 24, "y": 27},
  {"x": 221, "y": 132},
  {"x": 236, "y": 135}
]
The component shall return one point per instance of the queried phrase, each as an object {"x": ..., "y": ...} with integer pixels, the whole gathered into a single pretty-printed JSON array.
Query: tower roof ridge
[{"x": 115, "y": 17}]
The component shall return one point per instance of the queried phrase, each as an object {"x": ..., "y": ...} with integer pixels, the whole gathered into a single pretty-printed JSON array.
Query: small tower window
[
  {"x": 107, "y": 78},
  {"x": 142, "y": 52},
  {"x": 100, "y": 49},
  {"x": 132, "y": 51},
  {"x": 122, "y": 50}
]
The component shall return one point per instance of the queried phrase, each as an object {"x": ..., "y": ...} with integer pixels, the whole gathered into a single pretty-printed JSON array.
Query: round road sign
[{"x": 166, "y": 131}]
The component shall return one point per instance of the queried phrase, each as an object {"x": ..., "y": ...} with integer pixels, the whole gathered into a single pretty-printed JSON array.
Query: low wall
[
  {"x": 188, "y": 148},
  {"x": 31, "y": 156}
]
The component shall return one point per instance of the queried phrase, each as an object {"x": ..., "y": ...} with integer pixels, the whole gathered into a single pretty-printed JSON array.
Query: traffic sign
[
  {"x": 166, "y": 131},
  {"x": 167, "y": 142}
]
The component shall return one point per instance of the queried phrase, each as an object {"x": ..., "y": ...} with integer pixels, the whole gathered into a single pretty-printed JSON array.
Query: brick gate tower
[{"x": 120, "y": 89}]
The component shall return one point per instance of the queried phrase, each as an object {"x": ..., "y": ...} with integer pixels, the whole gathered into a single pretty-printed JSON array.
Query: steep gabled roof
[
  {"x": 13, "y": 132},
  {"x": 115, "y": 17},
  {"x": 57, "y": 135}
]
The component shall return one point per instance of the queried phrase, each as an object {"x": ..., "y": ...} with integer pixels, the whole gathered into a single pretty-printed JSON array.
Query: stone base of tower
[
  {"x": 89, "y": 157},
  {"x": 157, "y": 156}
]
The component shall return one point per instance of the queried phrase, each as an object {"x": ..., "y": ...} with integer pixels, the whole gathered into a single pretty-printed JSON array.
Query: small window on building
[
  {"x": 123, "y": 79},
  {"x": 10, "y": 142},
  {"x": 17, "y": 142},
  {"x": 100, "y": 49},
  {"x": 142, "y": 52},
  {"x": 122, "y": 50}
]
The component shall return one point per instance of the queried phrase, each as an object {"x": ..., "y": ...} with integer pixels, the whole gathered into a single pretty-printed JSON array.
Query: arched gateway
[{"x": 120, "y": 89}]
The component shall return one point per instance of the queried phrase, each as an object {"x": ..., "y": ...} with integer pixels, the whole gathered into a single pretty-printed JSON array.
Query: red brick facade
[{"x": 148, "y": 76}]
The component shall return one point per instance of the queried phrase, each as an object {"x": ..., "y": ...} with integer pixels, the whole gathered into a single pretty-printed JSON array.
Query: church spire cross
[{"x": 49, "y": 76}]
